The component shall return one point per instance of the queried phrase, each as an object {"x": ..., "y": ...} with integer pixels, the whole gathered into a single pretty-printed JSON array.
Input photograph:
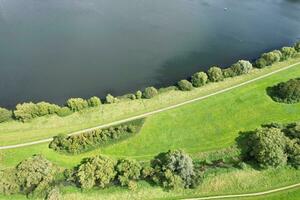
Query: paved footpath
[
  {"x": 233, "y": 196},
  {"x": 153, "y": 112}
]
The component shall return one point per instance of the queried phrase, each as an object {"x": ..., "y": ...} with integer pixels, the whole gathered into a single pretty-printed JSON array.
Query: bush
[
  {"x": 228, "y": 72},
  {"x": 174, "y": 169},
  {"x": 286, "y": 92},
  {"x": 150, "y": 92},
  {"x": 128, "y": 171},
  {"x": 261, "y": 63},
  {"x": 94, "y": 102},
  {"x": 45, "y": 108},
  {"x": 26, "y": 111},
  {"x": 139, "y": 94},
  {"x": 77, "y": 104},
  {"x": 215, "y": 74},
  {"x": 199, "y": 79},
  {"x": 267, "y": 147},
  {"x": 293, "y": 151},
  {"x": 5, "y": 115},
  {"x": 8, "y": 182},
  {"x": 64, "y": 111},
  {"x": 185, "y": 85},
  {"x": 288, "y": 52},
  {"x": 97, "y": 171},
  {"x": 272, "y": 57},
  {"x": 241, "y": 67},
  {"x": 297, "y": 46},
  {"x": 110, "y": 99},
  {"x": 91, "y": 139},
  {"x": 35, "y": 175}
]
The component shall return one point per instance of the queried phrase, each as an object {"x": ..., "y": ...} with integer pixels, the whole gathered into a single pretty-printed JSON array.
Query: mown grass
[{"x": 14, "y": 132}]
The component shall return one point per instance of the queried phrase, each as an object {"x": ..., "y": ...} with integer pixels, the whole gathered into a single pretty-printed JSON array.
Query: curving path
[
  {"x": 153, "y": 112},
  {"x": 247, "y": 195}
]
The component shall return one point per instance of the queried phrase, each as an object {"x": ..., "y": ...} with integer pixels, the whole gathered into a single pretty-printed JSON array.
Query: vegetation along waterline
[{"x": 43, "y": 127}]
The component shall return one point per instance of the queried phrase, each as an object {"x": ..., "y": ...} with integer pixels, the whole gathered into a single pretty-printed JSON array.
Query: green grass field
[{"x": 44, "y": 127}]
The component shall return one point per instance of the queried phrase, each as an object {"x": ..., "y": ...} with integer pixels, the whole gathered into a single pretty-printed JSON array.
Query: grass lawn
[{"x": 44, "y": 127}]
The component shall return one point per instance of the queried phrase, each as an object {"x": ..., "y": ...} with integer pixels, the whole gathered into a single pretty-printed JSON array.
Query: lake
[{"x": 55, "y": 49}]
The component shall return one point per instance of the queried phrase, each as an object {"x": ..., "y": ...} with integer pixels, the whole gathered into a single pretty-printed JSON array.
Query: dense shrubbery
[
  {"x": 273, "y": 145},
  {"x": 288, "y": 52},
  {"x": 150, "y": 92},
  {"x": 111, "y": 99},
  {"x": 199, "y": 79},
  {"x": 287, "y": 92},
  {"x": 5, "y": 115},
  {"x": 90, "y": 139},
  {"x": 241, "y": 67},
  {"x": 215, "y": 74},
  {"x": 185, "y": 85},
  {"x": 94, "y": 102},
  {"x": 173, "y": 169},
  {"x": 128, "y": 172},
  {"x": 270, "y": 58},
  {"x": 77, "y": 104},
  {"x": 33, "y": 176},
  {"x": 297, "y": 46}
]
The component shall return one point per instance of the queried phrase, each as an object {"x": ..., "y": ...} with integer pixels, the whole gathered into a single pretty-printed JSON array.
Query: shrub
[
  {"x": 8, "y": 182},
  {"x": 261, "y": 63},
  {"x": 45, "y": 108},
  {"x": 97, "y": 171},
  {"x": 293, "y": 151},
  {"x": 287, "y": 92},
  {"x": 26, "y": 111},
  {"x": 267, "y": 147},
  {"x": 185, "y": 85},
  {"x": 94, "y": 102},
  {"x": 110, "y": 99},
  {"x": 228, "y": 72},
  {"x": 64, "y": 111},
  {"x": 5, "y": 115},
  {"x": 35, "y": 175},
  {"x": 139, "y": 94},
  {"x": 91, "y": 139},
  {"x": 215, "y": 74},
  {"x": 174, "y": 169},
  {"x": 150, "y": 92},
  {"x": 54, "y": 194},
  {"x": 128, "y": 171},
  {"x": 199, "y": 79},
  {"x": 288, "y": 52},
  {"x": 297, "y": 46},
  {"x": 272, "y": 57},
  {"x": 77, "y": 104},
  {"x": 241, "y": 67}
]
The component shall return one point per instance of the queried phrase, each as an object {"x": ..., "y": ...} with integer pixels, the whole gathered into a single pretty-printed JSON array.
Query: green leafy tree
[
  {"x": 288, "y": 52},
  {"x": 297, "y": 46},
  {"x": 94, "y": 102},
  {"x": 185, "y": 85},
  {"x": 96, "y": 171},
  {"x": 110, "y": 99},
  {"x": 5, "y": 115},
  {"x": 26, "y": 111},
  {"x": 128, "y": 172},
  {"x": 261, "y": 63},
  {"x": 35, "y": 175},
  {"x": 241, "y": 67},
  {"x": 267, "y": 147},
  {"x": 150, "y": 92},
  {"x": 272, "y": 57},
  {"x": 174, "y": 168},
  {"x": 64, "y": 111},
  {"x": 199, "y": 79},
  {"x": 215, "y": 74},
  {"x": 139, "y": 94},
  {"x": 45, "y": 108},
  {"x": 77, "y": 104}
]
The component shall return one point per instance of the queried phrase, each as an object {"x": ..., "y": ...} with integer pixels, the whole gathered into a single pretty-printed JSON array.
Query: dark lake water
[{"x": 55, "y": 49}]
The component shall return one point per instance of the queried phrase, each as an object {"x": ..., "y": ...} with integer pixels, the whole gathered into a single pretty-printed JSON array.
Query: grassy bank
[{"x": 14, "y": 132}]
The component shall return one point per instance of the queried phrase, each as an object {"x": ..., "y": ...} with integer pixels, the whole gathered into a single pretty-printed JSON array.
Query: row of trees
[
  {"x": 90, "y": 139},
  {"x": 38, "y": 177},
  {"x": 27, "y": 111},
  {"x": 273, "y": 145}
]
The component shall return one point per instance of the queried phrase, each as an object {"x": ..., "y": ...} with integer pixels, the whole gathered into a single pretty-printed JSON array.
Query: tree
[
  {"x": 241, "y": 67},
  {"x": 185, "y": 85},
  {"x": 173, "y": 169},
  {"x": 110, "y": 99},
  {"x": 267, "y": 147},
  {"x": 96, "y": 171},
  {"x": 94, "y": 102},
  {"x": 297, "y": 46},
  {"x": 272, "y": 57},
  {"x": 77, "y": 104},
  {"x": 139, "y": 94},
  {"x": 45, "y": 108},
  {"x": 26, "y": 111},
  {"x": 199, "y": 79},
  {"x": 288, "y": 52},
  {"x": 5, "y": 115},
  {"x": 261, "y": 63},
  {"x": 215, "y": 74},
  {"x": 35, "y": 175},
  {"x": 150, "y": 92},
  {"x": 293, "y": 151},
  {"x": 128, "y": 171}
]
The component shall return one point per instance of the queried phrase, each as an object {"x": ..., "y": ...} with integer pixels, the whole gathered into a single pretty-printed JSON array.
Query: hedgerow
[{"x": 88, "y": 140}]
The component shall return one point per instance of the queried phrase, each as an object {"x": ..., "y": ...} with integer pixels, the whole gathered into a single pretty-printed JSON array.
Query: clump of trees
[
  {"x": 94, "y": 102},
  {"x": 150, "y": 92},
  {"x": 288, "y": 52},
  {"x": 77, "y": 104},
  {"x": 215, "y": 74},
  {"x": 91, "y": 139},
  {"x": 199, "y": 79},
  {"x": 297, "y": 46},
  {"x": 286, "y": 92},
  {"x": 5, "y": 115},
  {"x": 110, "y": 99},
  {"x": 185, "y": 85},
  {"x": 273, "y": 145}
]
